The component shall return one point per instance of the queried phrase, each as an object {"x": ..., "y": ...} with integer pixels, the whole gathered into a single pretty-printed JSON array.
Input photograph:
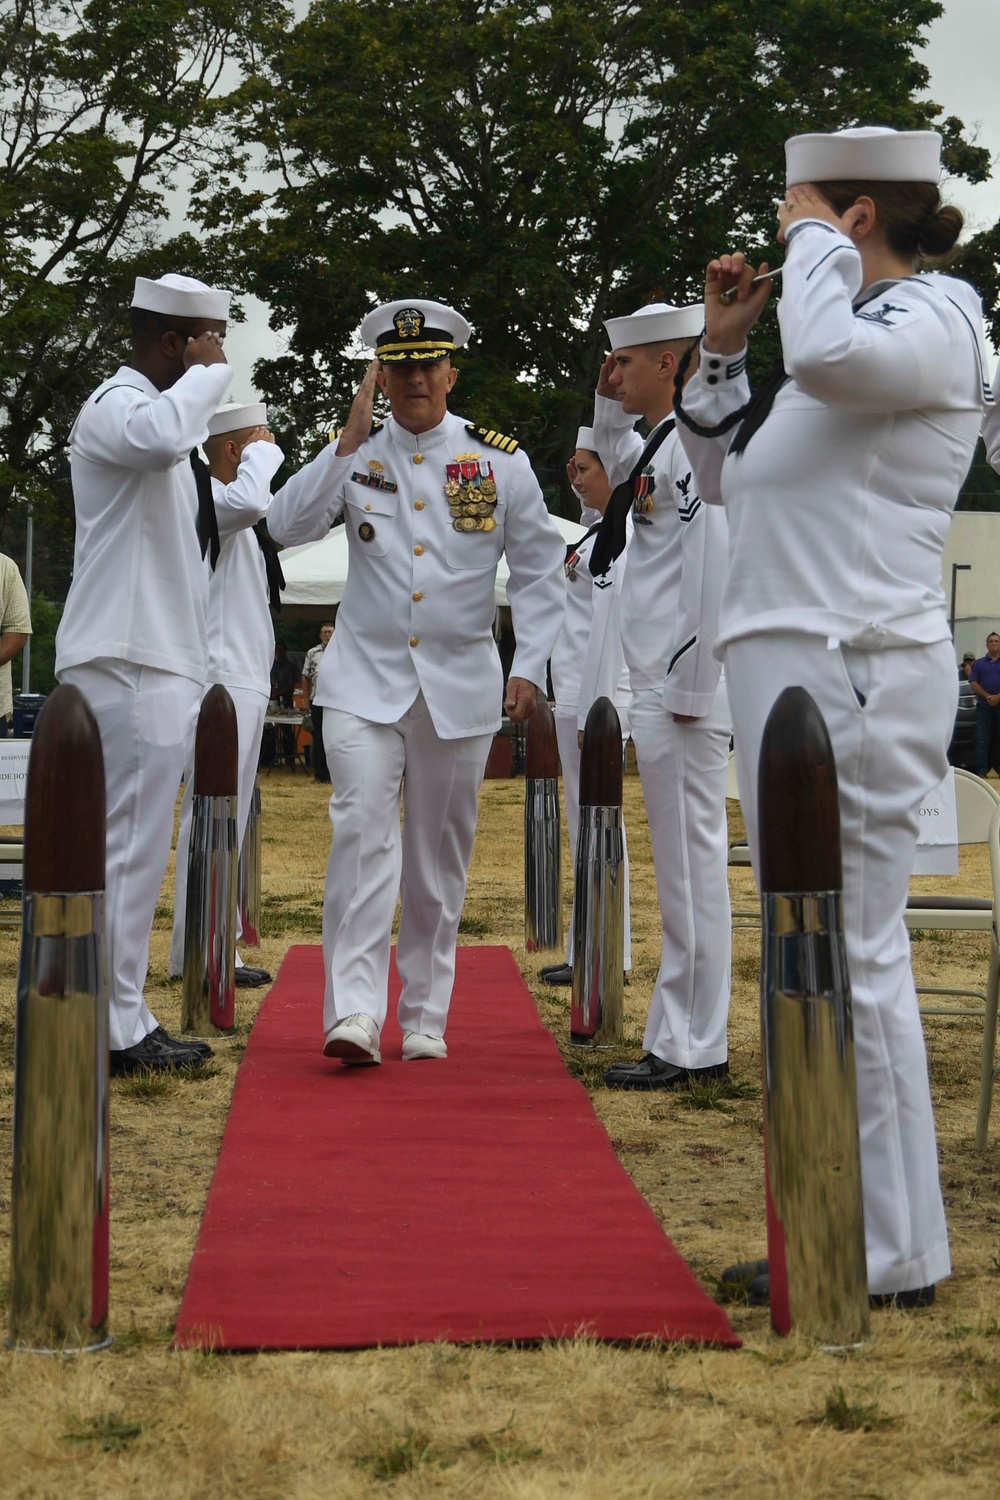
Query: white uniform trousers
[
  {"x": 146, "y": 718},
  {"x": 567, "y": 736},
  {"x": 890, "y": 752},
  {"x": 250, "y": 710},
  {"x": 372, "y": 862},
  {"x": 683, "y": 772}
]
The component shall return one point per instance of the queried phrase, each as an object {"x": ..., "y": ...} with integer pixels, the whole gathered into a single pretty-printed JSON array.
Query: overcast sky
[{"x": 962, "y": 55}]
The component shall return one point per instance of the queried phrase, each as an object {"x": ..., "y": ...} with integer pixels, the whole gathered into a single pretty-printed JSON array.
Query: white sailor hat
[
  {"x": 656, "y": 323},
  {"x": 181, "y": 297},
  {"x": 585, "y": 439},
  {"x": 865, "y": 153},
  {"x": 234, "y": 418},
  {"x": 414, "y": 330}
]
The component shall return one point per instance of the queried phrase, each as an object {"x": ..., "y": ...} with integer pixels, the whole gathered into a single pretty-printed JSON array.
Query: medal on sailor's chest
[
  {"x": 642, "y": 496},
  {"x": 471, "y": 492}
]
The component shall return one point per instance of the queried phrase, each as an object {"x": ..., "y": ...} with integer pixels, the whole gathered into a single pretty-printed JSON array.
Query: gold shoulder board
[{"x": 493, "y": 439}]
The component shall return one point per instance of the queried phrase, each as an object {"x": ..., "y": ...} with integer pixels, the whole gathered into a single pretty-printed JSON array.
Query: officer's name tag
[
  {"x": 937, "y": 840},
  {"x": 375, "y": 482}
]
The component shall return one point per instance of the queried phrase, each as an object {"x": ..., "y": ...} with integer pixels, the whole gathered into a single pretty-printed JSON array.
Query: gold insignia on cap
[{"x": 409, "y": 323}]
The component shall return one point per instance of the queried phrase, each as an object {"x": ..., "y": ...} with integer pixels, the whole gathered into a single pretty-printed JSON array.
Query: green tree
[
  {"x": 105, "y": 108},
  {"x": 540, "y": 166}
]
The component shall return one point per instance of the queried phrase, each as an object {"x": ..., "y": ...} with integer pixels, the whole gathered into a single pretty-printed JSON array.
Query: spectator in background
[
  {"x": 985, "y": 680},
  {"x": 309, "y": 670},
  {"x": 15, "y": 627},
  {"x": 965, "y": 670},
  {"x": 284, "y": 677}
]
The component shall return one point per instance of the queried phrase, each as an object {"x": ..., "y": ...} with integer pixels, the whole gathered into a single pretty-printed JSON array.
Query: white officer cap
[
  {"x": 414, "y": 330},
  {"x": 585, "y": 439},
  {"x": 865, "y": 153},
  {"x": 233, "y": 418},
  {"x": 182, "y": 297},
  {"x": 656, "y": 323}
]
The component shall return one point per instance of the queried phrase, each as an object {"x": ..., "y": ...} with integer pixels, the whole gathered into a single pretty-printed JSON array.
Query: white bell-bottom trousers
[
  {"x": 890, "y": 715},
  {"x": 683, "y": 772},
  {"x": 372, "y": 862},
  {"x": 146, "y": 718},
  {"x": 567, "y": 737},
  {"x": 250, "y": 710}
]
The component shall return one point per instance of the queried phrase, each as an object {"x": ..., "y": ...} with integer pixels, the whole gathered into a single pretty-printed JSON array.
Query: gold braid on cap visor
[{"x": 430, "y": 349}]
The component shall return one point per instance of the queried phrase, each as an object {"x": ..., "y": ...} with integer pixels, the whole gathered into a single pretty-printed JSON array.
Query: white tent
[{"x": 315, "y": 574}]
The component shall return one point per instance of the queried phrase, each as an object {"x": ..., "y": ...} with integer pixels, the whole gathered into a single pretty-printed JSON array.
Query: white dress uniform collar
[{"x": 416, "y": 443}]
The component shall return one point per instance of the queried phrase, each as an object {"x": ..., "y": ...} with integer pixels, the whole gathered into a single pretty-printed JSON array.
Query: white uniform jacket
[
  {"x": 140, "y": 584},
  {"x": 676, "y": 566},
  {"x": 991, "y": 424},
  {"x": 240, "y": 632},
  {"x": 840, "y": 504},
  {"x": 587, "y": 659},
  {"x": 418, "y": 609}
]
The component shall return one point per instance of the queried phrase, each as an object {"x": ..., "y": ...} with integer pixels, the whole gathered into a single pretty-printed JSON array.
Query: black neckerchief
[
  {"x": 575, "y": 546},
  {"x": 208, "y": 522},
  {"x": 611, "y": 531},
  {"x": 272, "y": 565}
]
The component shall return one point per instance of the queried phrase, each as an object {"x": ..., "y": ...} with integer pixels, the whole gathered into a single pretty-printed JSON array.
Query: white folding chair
[
  {"x": 11, "y": 868},
  {"x": 978, "y": 808}
]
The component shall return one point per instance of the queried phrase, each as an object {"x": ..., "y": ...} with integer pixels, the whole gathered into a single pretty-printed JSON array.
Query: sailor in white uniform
[
  {"x": 243, "y": 458},
  {"x": 587, "y": 660},
  {"x": 679, "y": 715},
  {"x": 411, "y": 683},
  {"x": 839, "y": 480},
  {"x": 132, "y": 636}
]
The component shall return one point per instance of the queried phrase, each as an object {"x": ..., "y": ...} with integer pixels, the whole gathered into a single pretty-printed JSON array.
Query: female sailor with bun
[{"x": 839, "y": 479}]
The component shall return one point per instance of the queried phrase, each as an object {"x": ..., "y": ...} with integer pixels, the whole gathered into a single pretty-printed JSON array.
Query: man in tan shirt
[{"x": 15, "y": 627}]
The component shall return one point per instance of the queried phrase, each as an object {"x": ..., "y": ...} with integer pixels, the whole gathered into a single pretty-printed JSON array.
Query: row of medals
[{"x": 472, "y": 506}]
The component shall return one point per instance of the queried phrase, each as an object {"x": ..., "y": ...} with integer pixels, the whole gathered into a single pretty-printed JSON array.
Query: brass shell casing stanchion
[
  {"x": 543, "y": 918},
  {"x": 249, "y": 874},
  {"x": 208, "y": 1002},
  {"x": 59, "y": 1189},
  {"x": 815, "y": 1223},
  {"x": 598, "y": 998}
]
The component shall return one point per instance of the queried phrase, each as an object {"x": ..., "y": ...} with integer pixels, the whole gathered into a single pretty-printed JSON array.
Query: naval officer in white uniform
[
  {"x": 679, "y": 716},
  {"x": 411, "y": 683},
  {"x": 587, "y": 660},
  {"x": 243, "y": 459},
  {"x": 840, "y": 479},
  {"x": 132, "y": 636}
]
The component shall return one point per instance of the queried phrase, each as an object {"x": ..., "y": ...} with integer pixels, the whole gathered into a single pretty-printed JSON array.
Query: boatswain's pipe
[
  {"x": 816, "y": 1237},
  {"x": 209, "y": 998},
  {"x": 59, "y": 1191},
  {"x": 598, "y": 1002},
  {"x": 543, "y": 920},
  {"x": 249, "y": 874}
]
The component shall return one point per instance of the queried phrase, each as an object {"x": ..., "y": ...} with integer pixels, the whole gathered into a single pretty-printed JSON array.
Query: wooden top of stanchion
[
  {"x": 64, "y": 821},
  {"x": 216, "y": 746},
  {"x": 797, "y": 809},
  {"x": 541, "y": 750},
  {"x": 601, "y": 757}
]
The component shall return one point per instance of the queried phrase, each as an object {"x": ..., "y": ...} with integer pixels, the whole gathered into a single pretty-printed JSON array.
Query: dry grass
[{"x": 915, "y": 1417}]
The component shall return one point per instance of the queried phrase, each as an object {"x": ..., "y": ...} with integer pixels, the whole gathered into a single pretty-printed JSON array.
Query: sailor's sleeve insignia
[{"x": 493, "y": 439}]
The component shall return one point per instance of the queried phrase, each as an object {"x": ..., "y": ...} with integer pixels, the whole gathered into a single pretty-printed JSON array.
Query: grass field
[{"x": 915, "y": 1416}]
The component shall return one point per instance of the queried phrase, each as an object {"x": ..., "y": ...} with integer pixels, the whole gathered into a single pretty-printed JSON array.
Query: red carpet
[{"x": 468, "y": 1200}]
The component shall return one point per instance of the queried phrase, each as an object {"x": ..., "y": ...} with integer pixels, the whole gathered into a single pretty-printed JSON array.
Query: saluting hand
[
  {"x": 521, "y": 700},
  {"x": 604, "y": 386},
  {"x": 359, "y": 422},
  {"x": 728, "y": 323},
  {"x": 206, "y": 349},
  {"x": 259, "y": 435}
]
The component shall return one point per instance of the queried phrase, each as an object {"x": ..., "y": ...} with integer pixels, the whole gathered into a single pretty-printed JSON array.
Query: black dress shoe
[
  {"x": 749, "y": 1281},
  {"x": 653, "y": 1073},
  {"x": 152, "y": 1055},
  {"x": 557, "y": 974},
  {"x": 251, "y": 979},
  {"x": 182, "y": 1043}
]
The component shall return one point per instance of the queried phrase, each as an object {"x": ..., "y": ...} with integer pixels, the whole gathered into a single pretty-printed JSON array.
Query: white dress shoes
[
  {"x": 416, "y": 1045},
  {"x": 354, "y": 1040}
]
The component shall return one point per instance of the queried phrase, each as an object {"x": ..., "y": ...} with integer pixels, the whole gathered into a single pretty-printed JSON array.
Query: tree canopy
[
  {"x": 542, "y": 167},
  {"x": 105, "y": 107}
]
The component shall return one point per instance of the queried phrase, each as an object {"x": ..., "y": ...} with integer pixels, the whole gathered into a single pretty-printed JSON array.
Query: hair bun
[{"x": 940, "y": 231}]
